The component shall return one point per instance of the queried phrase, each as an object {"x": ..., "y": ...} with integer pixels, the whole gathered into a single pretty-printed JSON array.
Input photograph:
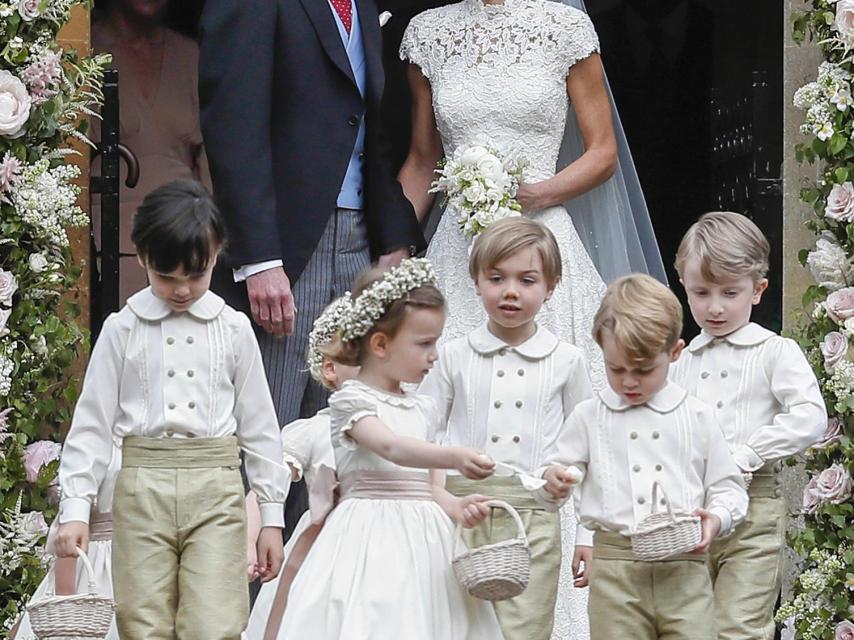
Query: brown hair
[
  {"x": 504, "y": 238},
  {"x": 642, "y": 314},
  {"x": 727, "y": 245},
  {"x": 424, "y": 297}
]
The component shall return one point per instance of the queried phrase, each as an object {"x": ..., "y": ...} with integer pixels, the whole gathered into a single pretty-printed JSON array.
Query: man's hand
[
  {"x": 272, "y": 301},
  {"x": 581, "y": 561},
  {"x": 71, "y": 535},
  {"x": 711, "y": 527},
  {"x": 393, "y": 258},
  {"x": 270, "y": 553}
]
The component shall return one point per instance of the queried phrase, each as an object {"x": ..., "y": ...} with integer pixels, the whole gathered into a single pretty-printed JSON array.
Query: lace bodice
[{"x": 498, "y": 73}]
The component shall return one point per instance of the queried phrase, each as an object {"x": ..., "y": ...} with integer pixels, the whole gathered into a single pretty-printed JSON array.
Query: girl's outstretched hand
[
  {"x": 470, "y": 510},
  {"x": 270, "y": 553},
  {"x": 473, "y": 464}
]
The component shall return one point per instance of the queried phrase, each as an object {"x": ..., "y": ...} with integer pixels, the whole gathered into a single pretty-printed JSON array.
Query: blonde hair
[
  {"x": 643, "y": 316},
  {"x": 351, "y": 352},
  {"x": 327, "y": 352},
  {"x": 504, "y": 238},
  {"x": 727, "y": 245}
]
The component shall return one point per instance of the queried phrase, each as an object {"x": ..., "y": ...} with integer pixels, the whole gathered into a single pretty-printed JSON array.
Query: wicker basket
[
  {"x": 661, "y": 535},
  {"x": 495, "y": 571},
  {"x": 80, "y": 616}
]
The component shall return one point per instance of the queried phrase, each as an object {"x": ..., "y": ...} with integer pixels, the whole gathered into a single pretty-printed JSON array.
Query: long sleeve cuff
[
  {"x": 583, "y": 536},
  {"x": 242, "y": 273},
  {"x": 747, "y": 459},
  {"x": 74, "y": 510},
  {"x": 726, "y": 520},
  {"x": 272, "y": 514}
]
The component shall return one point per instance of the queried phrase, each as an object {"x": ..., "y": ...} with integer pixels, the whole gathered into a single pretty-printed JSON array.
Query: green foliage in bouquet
[{"x": 46, "y": 97}]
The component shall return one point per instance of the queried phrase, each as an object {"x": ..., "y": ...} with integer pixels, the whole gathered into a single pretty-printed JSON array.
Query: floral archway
[
  {"x": 822, "y": 601},
  {"x": 46, "y": 97}
]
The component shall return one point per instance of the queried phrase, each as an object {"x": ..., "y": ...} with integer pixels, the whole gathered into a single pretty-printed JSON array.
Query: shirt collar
[
  {"x": 749, "y": 335},
  {"x": 538, "y": 346},
  {"x": 149, "y": 307},
  {"x": 665, "y": 401}
]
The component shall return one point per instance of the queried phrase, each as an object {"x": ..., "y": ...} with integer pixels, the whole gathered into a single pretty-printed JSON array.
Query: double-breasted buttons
[
  {"x": 169, "y": 433},
  {"x": 704, "y": 375},
  {"x": 655, "y": 435},
  {"x": 516, "y": 439},
  {"x": 520, "y": 372},
  {"x": 170, "y": 340},
  {"x": 190, "y": 340},
  {"x": 497, "y": 404},
  {"x": 171, "y": 373},
  {"x": 633, "y": 435},
  {"x": 518, "y": 404},
  {"x": 641, "y": 500},
  {"x": 171, "y": 405},
  {"x": 500, "y": 373},
  {"x": 724, "y": 373},
  {"x": 658, "y": 467},
  {"x": 191, "y": 404},
  {"x": 719, "y": 404},
  {"x": 495, "y": 438},
  {"x": 636, "y": 468},
  {"x": 190, "y": 373}
]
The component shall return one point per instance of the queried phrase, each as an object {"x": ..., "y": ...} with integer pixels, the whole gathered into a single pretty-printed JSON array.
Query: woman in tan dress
[{"x": 159, "y": 112}]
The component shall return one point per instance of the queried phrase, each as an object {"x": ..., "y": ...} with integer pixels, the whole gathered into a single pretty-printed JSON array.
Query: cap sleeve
[
  {"x": 414, "y": 46},
  {"x": 575, "y": 35},
  {"x": 297, "y": 439},
  {"x": 349, "y": 405}
]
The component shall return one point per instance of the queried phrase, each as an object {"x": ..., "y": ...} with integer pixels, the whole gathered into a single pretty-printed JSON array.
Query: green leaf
[
  {"x": 837, "y": 143},
  {"x": 841, "y": 174}
]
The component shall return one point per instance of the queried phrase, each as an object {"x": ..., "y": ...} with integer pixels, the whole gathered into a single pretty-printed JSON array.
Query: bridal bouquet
[{"x": 480, "y": 184}]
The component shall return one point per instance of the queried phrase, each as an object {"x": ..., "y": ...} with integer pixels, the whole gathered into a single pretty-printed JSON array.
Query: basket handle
[
  {"x": 655, "y": 487},
  {"x": 495, "y": 504},
  {"x": 90, "y": 575}
]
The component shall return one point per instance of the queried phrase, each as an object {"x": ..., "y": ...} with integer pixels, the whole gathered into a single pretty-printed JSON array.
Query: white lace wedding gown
[{"x": 498, "y": 75}]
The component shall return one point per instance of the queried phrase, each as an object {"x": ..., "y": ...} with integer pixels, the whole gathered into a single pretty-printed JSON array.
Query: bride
[{"x": 507, "y": 74}]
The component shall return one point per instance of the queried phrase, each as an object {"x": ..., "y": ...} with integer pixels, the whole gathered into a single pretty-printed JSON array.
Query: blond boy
[
  {"x": 506, "y": 389},
  {"x": 644, "y": 429},
  {"x": 765, "y": 397}
]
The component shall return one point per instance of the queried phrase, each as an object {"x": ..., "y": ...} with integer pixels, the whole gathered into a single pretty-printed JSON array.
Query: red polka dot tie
[{"x": 342, "y": 7}]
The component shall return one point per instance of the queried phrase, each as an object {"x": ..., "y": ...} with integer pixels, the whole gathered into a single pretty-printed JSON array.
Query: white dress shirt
[
  {"x": 762, "y": 389},
  {"x": 508, "y": 401},
  {"x": 623, "y": 449},
  {"x": 160, "y": 374}
]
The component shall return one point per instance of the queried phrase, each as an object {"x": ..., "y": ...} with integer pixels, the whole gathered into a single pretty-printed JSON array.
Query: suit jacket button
[{"x": 353, "y": 121}]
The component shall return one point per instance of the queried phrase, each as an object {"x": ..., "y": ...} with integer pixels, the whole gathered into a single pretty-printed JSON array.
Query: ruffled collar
[
  {"x": 406, "y": 399},
  {"x": 665, "y": 401},
  {"x": 749, "y": 335},
  {"x": 149, "y": 307},
  {"x": 537, "y": 347}
]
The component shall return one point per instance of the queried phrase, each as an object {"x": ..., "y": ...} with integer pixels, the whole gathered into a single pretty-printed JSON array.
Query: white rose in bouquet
[
  {"x": 475, "y": 193},
  {"x": 844, "y": 22},
  {"x": 828, "y": 263},
  {"x": 840, "y": 202},
  {"x": 8, "y": 287},
  {"x": 38, "y": 262},
  {"x": 15, "y": 105},
  {"x": 491, "y": 168},
  {"x": 471, "y": 156}
]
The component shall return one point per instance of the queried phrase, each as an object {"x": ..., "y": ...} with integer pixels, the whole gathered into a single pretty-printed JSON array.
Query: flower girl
[
  {"x": 308, "y": 451},
  {"x": 382, "y": 562}
]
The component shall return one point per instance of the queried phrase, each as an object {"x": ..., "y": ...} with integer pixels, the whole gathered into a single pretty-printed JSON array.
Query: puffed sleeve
[
  {"x": 414, "y": 45},
  {"x": 575, "y": 36},
  {"x": 297, "y": 441},
  {"x": 349, "y": 405}
]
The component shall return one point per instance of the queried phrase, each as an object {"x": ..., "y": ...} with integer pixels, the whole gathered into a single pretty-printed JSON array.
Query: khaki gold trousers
[
  {"x": 179, "y": 540},
  {"x": 747, "y": 567},
  {"x": 669, "y": 599},
  {"x": 530, "y": 615}
]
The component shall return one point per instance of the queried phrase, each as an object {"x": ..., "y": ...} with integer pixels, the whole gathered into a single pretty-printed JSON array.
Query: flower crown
[
  {"x": 325, "y": 328},
  {"x": 372, "y": 303}
]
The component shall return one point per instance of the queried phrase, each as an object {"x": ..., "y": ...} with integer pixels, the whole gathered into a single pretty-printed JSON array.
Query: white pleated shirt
[
  {"x": 763, "y": 391},
  {"x": 508, "y": 401},
  {"x": 622, "y": 449},
  {"x": 160, "y": 374}
]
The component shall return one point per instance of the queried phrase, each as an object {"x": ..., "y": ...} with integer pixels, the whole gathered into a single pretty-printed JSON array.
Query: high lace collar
[{"x": 478, "y": 7}]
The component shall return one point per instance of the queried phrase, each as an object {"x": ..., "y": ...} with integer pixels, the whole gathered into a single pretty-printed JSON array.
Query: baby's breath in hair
[
  {"x": 325, "y": 329},
  {"x": 395, "y": 284}
]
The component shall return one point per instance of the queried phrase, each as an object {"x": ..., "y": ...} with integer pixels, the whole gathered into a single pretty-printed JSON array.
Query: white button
[
  {"x": 658, "y": 467},
  {"x": 502, "y": 352},
  {"x": 169, "y": 433},
  {"x": 189, "y": 339},
  {"x": 633, "y": 435},
  {"x": 724, "y": 373},
  {"x": 192, "y": 405},
  {"x": 704, "y": 375},
  {"x": 495, "y": 438},
  {"x": 171, "y": 405},
  {"x": 636, "y": 468},
  {"x": 516, "y": 439},
  {"x": 497, "y": 404},
  {"x": 171, "y": 373},
  {"x": 500, "y": 373},
  {"x": 720, "y": 404},
  {"x": 520, "y": 372},
  {"x": 191, "y": 373},
  {"x": 518, "y": 404},
  {"x": 170, "y": 340},
  {"x": 641, "y": 500},
  {"x": 655, "y": 435}
]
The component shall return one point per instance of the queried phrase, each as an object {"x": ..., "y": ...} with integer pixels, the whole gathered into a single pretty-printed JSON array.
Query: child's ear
[
  {"x": 327, "y": 370},
  {"x": 759, "y": 289},
  {"x": 676, "y": 351},
  {"x": 378, "y": 344}
]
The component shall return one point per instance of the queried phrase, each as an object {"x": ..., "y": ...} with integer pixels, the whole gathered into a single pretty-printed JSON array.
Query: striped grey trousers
[{"x": 340, "y": 254}]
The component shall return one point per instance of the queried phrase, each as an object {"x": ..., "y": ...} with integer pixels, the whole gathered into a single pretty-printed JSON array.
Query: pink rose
[
  {"x": 8, "y": 287},
  {"x": 840, "y": 304},
  {"x": 832, "y": 434},
  {"x": 834, "y": 347},
  {"x": 844, "y": 22},
  {"x": 832, "y": 485},
  {"x": 840, "y": 201},
  {"x": 37, "y": 455},
  {"x": 844, "y": 631},
  {"x": 34, "y": 522}
]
